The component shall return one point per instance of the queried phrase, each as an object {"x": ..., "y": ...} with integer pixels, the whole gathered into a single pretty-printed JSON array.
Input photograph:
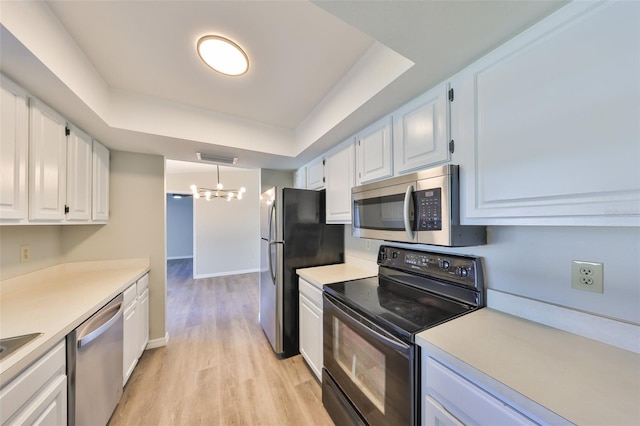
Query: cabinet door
[
  {"x": 421, "y": 131},
  {"x": 373, "y": 152},
  {"x": 79, "y": 175},
  {"x": 315, "y": 174},
  {"x": 14, "y": 144},
  {"x": 435, "y": 414},
  {"x": 311, "y": 334},
  {"x": 100, "y": 193},
  {"x": 340, "y": 176},
  {"x": 130, "y": 341},
  {"x": 300, "y": 178},
  {"x": 143, "y": 321},
  {"x": 47, "y": 164},
  {"x": 49, "y": 407},
  {"x": 556, "y": 134}
]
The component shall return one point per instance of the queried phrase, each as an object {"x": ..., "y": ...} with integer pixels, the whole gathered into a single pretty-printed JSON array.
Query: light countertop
[
  {"x": 578, "y": 379},
  {"x": 55, "y": 300},
  {"x": 321, "y": 275}
]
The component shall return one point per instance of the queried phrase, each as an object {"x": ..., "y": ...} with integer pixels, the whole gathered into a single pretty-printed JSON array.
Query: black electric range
[{"x": 371, "y": 362}]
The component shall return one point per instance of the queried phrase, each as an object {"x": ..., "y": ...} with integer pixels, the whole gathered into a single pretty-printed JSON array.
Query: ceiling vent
[{"x": 216, "y": 158}]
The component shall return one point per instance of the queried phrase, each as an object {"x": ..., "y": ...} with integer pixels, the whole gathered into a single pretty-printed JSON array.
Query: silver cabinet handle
[
  {"x": 407, "y": 212},
  {"x": 94, "y": 334}
]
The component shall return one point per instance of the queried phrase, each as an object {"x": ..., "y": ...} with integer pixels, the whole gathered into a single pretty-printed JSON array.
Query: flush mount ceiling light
[{"x": 223, "y": 55}]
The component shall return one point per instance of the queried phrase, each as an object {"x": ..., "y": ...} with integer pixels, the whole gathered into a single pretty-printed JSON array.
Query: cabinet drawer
[
  {"x": 19, "y": 391},
  {"x": 466, "y": 401},
  {"x": 129, "y": 295},
  {"x": 142, "y": 284},
  {"x": 312, "y": 292}
]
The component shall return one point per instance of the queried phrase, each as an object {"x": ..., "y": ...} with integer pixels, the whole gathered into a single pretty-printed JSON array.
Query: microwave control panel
[{"x": 429, "y": 209}]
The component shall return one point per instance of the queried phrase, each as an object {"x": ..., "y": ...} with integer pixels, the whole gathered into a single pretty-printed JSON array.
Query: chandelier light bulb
[{"x": 219, "y": 192}]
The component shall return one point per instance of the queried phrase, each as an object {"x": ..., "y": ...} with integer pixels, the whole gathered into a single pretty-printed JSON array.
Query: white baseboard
[
  {"x": 225, "y": 273},
  {"x": 623, "y": 335},
  {"x": 179, "y": 257},
  {"x": 158, "y": 343}
]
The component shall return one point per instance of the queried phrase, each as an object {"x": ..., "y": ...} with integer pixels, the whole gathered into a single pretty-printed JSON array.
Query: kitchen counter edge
[
  {"x": 521, "y": 361},
  {"x": 129, "y": 271}
]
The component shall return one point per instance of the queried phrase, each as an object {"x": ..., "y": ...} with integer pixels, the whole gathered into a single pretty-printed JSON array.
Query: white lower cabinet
[
  {"x": 130, "y": 334},
  {"x": 310, "y": 298},
  {"x": 142, "y": 311},
  {"x": 448, "y": 398},
  {"x": 136, "y": 325},
  {"x": 38, "y": 396}
]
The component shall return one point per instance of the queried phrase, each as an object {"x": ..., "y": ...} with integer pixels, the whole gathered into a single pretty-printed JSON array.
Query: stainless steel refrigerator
[{"x": 293, "y": 235}]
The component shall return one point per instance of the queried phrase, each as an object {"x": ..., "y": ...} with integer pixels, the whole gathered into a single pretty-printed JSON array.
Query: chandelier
[{"x": 218, "y": 191}]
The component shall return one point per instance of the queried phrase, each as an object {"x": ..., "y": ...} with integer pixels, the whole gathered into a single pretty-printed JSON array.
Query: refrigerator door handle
[{"x": 271, "y": 271}]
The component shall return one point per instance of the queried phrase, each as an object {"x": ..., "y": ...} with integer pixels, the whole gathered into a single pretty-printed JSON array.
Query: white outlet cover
[{"x": 587, "y": 276}]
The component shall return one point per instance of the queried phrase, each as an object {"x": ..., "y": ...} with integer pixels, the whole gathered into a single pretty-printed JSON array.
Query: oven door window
[
  {"x": 360, "y": 361},
  {"x": 372, "y": 368}
]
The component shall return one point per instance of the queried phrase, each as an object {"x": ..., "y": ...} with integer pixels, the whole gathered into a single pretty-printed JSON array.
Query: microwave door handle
[{"x": 407, "y": 212}]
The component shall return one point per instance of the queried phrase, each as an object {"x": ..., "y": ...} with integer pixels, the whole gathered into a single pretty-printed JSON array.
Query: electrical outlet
[
  {"x": 368, "y": 245},
  {"x": 587, "y": 276},
  {"x": 25, "y": 253}
]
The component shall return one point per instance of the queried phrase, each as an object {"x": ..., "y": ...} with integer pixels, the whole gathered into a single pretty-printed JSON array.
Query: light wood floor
[{"x": 218, "y": 367}]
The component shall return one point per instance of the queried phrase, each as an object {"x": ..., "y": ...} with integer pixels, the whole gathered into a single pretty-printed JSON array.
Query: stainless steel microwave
[{"x": 422, "y": 207}]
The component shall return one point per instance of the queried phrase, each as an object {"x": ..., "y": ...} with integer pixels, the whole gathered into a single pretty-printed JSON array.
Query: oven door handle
[
  {"x": 407, "y": 212},
  {"x": 397, "y": 345}
]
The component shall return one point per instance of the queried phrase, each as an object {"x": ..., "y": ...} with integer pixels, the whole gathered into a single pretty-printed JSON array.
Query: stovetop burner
[{"x": 414, "y": 290}]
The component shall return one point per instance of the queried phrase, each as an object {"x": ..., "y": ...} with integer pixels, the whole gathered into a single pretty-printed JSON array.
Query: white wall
[
  {"x": 535, "y": 262},
  {"x": 179, "y": 227},
  {"x": 227, "y": 233}
]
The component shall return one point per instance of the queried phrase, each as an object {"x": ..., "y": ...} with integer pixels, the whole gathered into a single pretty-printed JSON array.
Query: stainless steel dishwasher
[{"x": 94, "y": 366}]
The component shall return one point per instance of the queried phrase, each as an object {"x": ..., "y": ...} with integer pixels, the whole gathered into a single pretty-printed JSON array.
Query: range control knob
[
  {"x": 444, "y": 264},
  {"x": 462, "y": 272},
  {"x": 394, "y": 254},
  {"x": 383, "y": 255}
]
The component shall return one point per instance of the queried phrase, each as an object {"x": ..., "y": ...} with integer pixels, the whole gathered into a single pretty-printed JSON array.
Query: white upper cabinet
[
  {"x": 14, "y": 144},
  {"x": 374, "y": 158},
  {"x": 52, "y": 172},
  {"x": 421, "y": 131},
  {"x": 47, "y": 164},
  {"x": 553, "y": 120},
  {"x": 100, "y": 193},
  {"x": 339, "y": 166},
  {"x": 300, "y": 178},
  {"x": 79, "y": 175},
  {"x": 315, "y": 174}
]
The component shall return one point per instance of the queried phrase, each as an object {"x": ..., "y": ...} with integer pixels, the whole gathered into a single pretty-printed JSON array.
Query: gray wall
[
  {"x": 136, "y": 227},
  {"x": 179, "y": 227},
  {"x": 535, "y": 262}
]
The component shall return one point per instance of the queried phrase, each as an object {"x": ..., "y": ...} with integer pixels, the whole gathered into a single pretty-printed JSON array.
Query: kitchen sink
[{"x": 11, "y": 344}]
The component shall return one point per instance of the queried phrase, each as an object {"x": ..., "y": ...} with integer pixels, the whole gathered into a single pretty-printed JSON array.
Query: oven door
[{"x": 372, "y": 369}]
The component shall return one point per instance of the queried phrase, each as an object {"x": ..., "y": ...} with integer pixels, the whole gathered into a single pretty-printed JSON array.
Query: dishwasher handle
[{"x": 103, "y": 324}]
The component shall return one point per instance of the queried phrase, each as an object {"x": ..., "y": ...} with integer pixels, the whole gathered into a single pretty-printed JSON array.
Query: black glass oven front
[{"x": 369, "y": 370}]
